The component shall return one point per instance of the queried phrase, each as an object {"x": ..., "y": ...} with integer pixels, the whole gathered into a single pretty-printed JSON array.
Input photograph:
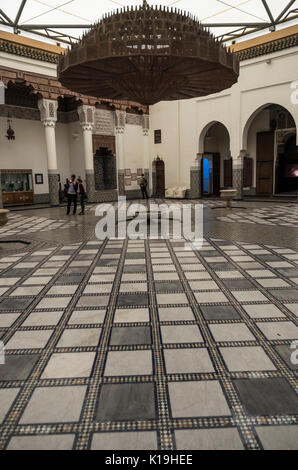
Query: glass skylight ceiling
[{"x": 227, "y": 19}]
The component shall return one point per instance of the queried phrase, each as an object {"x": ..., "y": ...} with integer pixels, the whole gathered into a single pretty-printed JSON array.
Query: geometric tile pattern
[
  {"x": 19, "y": 224},
  {"x": 123, "y": 344},
  {"x": 285, "y": 215}
]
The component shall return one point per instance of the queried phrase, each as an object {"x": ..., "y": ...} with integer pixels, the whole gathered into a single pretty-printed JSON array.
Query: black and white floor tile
[
  {"x": 26, "y": 225},
  {"x": 284, "y": 215},
  {"x": 140, "y": 344}
]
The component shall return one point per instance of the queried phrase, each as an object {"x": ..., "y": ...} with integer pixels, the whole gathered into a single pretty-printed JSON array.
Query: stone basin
[
  {"x": 228, "y": 195},
  {"x": 3, "y": 217}
]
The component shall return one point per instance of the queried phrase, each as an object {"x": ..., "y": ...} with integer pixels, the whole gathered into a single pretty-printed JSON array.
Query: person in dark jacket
[
  {"x": 82, "y": 195},
  {"x": 143, "y": 186},
  {"x": 72, "y": 195}
]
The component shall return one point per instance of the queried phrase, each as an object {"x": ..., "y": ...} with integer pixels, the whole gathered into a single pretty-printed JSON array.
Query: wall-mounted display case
[{"x": 17, "y": 187}]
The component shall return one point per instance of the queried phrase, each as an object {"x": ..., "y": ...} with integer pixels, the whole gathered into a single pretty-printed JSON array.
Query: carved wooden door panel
[
  {"x": 160, "y": 178},
  {"x": 107, "y": 141},
  {"x": 265, "y": 157},
  {"x": 216, "y": 174}
]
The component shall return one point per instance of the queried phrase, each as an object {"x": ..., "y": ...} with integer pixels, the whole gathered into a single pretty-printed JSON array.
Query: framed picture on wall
[{"x": 38, "y": 178}]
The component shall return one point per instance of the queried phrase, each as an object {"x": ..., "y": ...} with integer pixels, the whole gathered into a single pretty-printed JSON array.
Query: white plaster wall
[
  {"x": 259, "y": 124},
  {"x": 133, "y": 147},
  {"x": 76, "y": 150},
  {"x": 62, "y": 148},
  {"x": 165, "y": 117},
  {"x": 28, "y": 65},
  {"x": 260, "y": 83},
  {"x": 27, "y": 152}
]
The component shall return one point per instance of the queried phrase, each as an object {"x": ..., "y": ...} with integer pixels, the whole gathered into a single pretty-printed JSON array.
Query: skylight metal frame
[{"x": 237, "y": 30}]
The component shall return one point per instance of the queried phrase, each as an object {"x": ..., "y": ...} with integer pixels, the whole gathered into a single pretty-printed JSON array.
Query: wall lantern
[{"x": 10, "y": 135}]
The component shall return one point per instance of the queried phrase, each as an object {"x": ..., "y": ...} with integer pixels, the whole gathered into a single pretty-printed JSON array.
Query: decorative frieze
[
  {"x": 67, "y": 118},
  {"x": 268, "y": 48},
  {"x": 30, "y": 52},
  {"x": 104, "y": 122},
  {"x": 134, "y": 119},
  {"x": 18, "y": 112}
]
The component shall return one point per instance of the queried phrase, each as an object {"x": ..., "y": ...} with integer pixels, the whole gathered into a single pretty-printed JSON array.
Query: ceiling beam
[
  {"x": 88, "y": 26},
  {"x": 285, "y": 11},
  {"x": 236, "y": 25},
  {"x": 5, "y": 16},
  {"x": 19, "y": 13},
  {"x": 268, "y": 11},
  {"x": 36, "y": 27}
]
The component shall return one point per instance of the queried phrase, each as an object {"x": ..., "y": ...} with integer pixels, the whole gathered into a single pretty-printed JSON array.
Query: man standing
[
  {"x": 82, "y": 195},
  {"x": 143, "y": 186},
  {"x": 72, "y": 191}
]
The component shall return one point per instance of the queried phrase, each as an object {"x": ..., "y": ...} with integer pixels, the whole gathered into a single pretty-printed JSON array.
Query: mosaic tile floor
[
  {"x": 128, "y": 344},
  {"x": 285, "y": 215},
  {"x": 20, "y": 224}
]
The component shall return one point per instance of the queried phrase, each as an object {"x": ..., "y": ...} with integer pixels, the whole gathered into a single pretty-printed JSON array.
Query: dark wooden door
[
  {"x": 265, "y": 160},
  {"x": 228, "y": 172},
  {"x": 160, "y": 178},
  {"x": 216, "y": 174},
  {"x": 247, "y": 172}
]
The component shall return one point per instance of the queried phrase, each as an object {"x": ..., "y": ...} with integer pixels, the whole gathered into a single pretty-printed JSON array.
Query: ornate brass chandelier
[{"x": 147, "y": 55}]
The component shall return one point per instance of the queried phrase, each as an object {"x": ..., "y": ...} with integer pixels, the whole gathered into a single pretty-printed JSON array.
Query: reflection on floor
[
  {"x": 280, "y": 214},
  {"x": 128, "y": 344},
  {"x": 21, "y": 224}
]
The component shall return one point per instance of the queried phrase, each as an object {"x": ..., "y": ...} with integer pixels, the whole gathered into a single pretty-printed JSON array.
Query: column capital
[
  {"x": 87, "y": 127},
  {"x": 86, "y": 116},
  {"x": 243, "y": 153},
  {"x": 120, "y": 121},
  {"x": 48, "y": 112}
]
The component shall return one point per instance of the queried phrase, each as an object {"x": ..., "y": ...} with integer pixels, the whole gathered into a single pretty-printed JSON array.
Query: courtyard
[{"x": 109, "y": 344}]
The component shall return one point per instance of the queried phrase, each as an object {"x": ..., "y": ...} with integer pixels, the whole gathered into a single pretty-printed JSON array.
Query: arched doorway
[
  {"x": 269, "y": 138},
  {"x": 216, "y": 165}
]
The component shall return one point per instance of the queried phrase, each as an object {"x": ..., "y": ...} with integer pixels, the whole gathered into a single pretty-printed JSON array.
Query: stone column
[
  {"x": 196, "y": 178},
  {"x": 48, "y": 115},
  {"x": 238, "y": 174},
  {"x": 86, "y": 116},
  {"x": 119, "y": 131},
  {"x": 146, "y": 150}
]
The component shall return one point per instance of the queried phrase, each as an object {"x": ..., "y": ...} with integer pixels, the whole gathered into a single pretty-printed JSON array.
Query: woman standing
[{"x": 82, "y": 195}]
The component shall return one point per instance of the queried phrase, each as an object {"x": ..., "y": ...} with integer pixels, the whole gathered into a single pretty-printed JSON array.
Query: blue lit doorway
[
  {"x": 207, "y": 175},
  {"x": 210, "y": 174}
]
